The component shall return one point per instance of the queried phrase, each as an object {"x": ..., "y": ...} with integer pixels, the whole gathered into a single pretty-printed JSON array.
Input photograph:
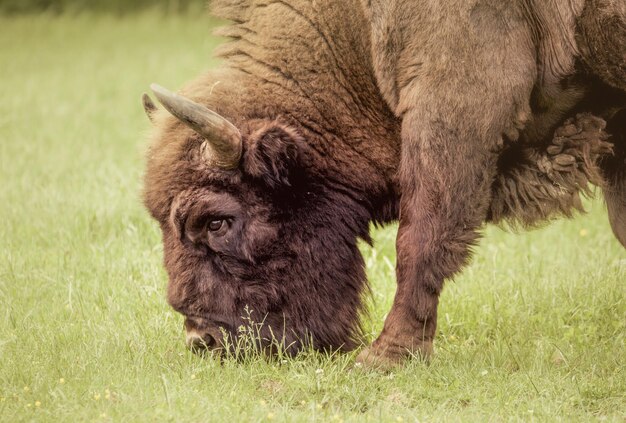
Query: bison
[{"x": 329, "y": 116}]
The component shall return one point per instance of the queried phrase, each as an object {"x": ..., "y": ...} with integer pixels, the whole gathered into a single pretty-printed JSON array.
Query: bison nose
[
  {"x": 201, "y": 334},
  {"x": 200, "y": 342}
]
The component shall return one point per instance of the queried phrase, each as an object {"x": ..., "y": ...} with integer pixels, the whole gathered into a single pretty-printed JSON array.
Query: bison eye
[{"x": 216, "y": 225}]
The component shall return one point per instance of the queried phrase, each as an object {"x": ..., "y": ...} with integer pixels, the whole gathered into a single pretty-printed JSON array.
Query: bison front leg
[
  {"x": 459, "y": 75},
  {"x": 446, "y": 191}
]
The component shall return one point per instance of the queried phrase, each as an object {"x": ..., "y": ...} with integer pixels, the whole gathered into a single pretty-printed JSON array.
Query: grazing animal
[{"x": 264, "y": 173}]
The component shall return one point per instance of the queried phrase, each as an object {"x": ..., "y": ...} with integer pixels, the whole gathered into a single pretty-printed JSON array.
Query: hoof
[
  {"x": 387, "y": 358},
  {"x": 372, "y": 359}
]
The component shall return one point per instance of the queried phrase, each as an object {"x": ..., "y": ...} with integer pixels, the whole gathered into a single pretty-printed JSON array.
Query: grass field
[{"x": 534, "y": 329}]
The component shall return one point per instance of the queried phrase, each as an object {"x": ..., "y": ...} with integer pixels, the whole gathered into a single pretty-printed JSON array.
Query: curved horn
[{"x": 222, "y": 137}]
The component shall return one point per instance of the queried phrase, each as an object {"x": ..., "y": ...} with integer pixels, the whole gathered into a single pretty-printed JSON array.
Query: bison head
[{"x": 252, "y": 233}]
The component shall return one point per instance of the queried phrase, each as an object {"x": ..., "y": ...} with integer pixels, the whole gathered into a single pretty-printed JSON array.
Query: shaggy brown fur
[
  {"x": 533, "y": 186},
  {"x": 324, "y": 119},
  {"x": 469, "y": 78},
  {"x": 320, "y": 152}
]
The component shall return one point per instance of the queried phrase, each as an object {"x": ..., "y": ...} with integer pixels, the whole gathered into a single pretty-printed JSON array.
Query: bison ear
[{"x": 272, "y": 153}]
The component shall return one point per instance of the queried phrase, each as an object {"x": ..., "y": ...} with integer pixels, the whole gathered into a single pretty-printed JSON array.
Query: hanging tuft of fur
[{"x": 554, "y": 177}]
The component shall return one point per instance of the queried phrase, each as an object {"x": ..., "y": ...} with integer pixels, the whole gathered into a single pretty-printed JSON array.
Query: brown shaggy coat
[
  {"x": 471, "y": 79},
  {"x": 444, "y": 120}
]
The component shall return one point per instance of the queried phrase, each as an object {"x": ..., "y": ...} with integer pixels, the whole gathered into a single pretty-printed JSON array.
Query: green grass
[
  {"x": 118, "y": 7},
  {"x": 534, "y": 329}
]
